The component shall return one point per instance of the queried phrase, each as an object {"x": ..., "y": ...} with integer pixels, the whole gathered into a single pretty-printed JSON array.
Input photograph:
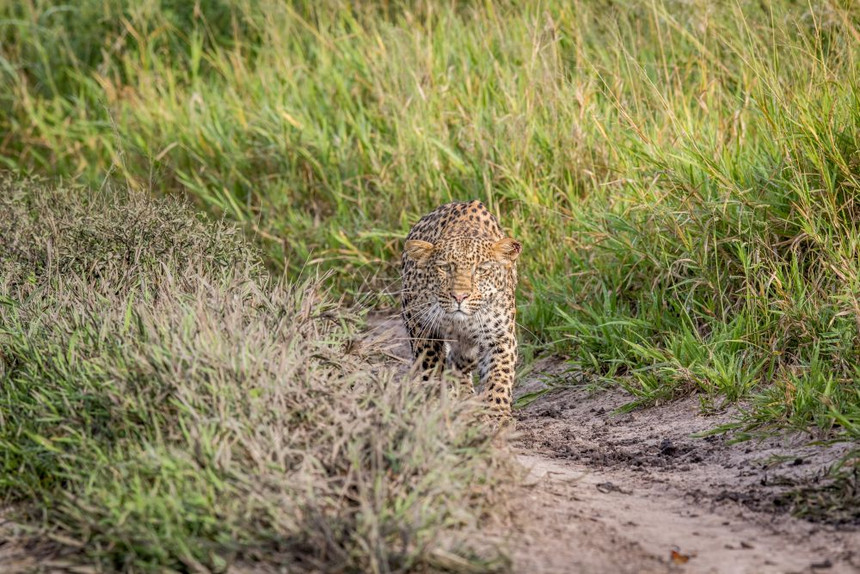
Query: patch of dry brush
[{"x": 165, "y": 403}]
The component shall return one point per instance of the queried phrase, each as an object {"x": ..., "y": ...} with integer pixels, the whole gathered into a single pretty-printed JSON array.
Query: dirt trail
[
  {"x": 636, "y": 493},
  {"x": 652, "y": 489}
]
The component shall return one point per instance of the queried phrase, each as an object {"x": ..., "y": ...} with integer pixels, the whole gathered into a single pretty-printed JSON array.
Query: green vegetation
[
  {"x": 685, "y": 175},
  {"x": 166, "y": 405}
]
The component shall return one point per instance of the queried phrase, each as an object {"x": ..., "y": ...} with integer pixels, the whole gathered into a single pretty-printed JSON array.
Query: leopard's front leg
[
  {"x": 497, "y": 365},
  {"x": 429, "y": 357},
  {"x": 460, "y": 362}
]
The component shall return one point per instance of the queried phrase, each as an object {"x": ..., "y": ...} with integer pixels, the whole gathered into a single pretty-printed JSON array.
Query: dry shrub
[{"x": 166, "y": 404}]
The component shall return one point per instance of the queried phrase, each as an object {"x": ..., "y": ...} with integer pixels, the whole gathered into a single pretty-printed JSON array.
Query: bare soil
[{"x": 638, "y": 492}]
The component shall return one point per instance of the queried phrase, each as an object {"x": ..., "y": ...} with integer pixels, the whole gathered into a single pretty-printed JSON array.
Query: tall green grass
[
  {"x": 166, "y": 405},
  {"x": 684, "y": 175}
]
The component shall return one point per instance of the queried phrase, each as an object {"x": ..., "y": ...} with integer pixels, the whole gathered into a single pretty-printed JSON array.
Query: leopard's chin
[{"x": 459, "y": 314}]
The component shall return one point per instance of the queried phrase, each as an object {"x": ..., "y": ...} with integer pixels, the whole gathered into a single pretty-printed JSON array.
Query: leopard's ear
[
  {"x": 418, "y": 250},
  {"x": 507, "y": 250}
]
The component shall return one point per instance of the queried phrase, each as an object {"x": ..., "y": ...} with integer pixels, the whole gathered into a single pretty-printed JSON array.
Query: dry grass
[{"x": 168, "y": 405}]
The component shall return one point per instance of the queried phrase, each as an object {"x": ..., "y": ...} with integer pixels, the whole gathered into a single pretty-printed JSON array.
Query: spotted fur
[{"x": 459, "y": 277}]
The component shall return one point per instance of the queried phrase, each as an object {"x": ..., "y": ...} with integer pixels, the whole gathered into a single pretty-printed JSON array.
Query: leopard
[{"x": 459, "y": 277}]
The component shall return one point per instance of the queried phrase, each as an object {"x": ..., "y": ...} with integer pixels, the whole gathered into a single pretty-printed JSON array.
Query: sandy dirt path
[
  {"x": 639, "y": 486},
  {"x": 637, "y": 493}
]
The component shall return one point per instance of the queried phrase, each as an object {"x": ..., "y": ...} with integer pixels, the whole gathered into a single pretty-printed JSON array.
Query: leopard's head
[{"x": 464, "y": 273}]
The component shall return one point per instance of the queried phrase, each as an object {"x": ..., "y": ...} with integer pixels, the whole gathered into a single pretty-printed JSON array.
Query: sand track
[
  {"x": 618, "y": 493},
  {"x": 622, "y": 491}
]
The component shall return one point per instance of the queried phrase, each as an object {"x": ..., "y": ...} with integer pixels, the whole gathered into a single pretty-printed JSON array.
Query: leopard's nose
[{"x": 459, "y": 297}]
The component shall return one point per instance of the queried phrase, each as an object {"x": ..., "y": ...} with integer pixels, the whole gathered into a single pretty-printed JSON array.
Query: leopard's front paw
[{"x": 499, "y": 421}]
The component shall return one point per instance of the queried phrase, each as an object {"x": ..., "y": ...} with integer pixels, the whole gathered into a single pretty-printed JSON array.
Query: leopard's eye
[
  {"x": 444, "y": 267},
  {"x": 485, "y": 268}
]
